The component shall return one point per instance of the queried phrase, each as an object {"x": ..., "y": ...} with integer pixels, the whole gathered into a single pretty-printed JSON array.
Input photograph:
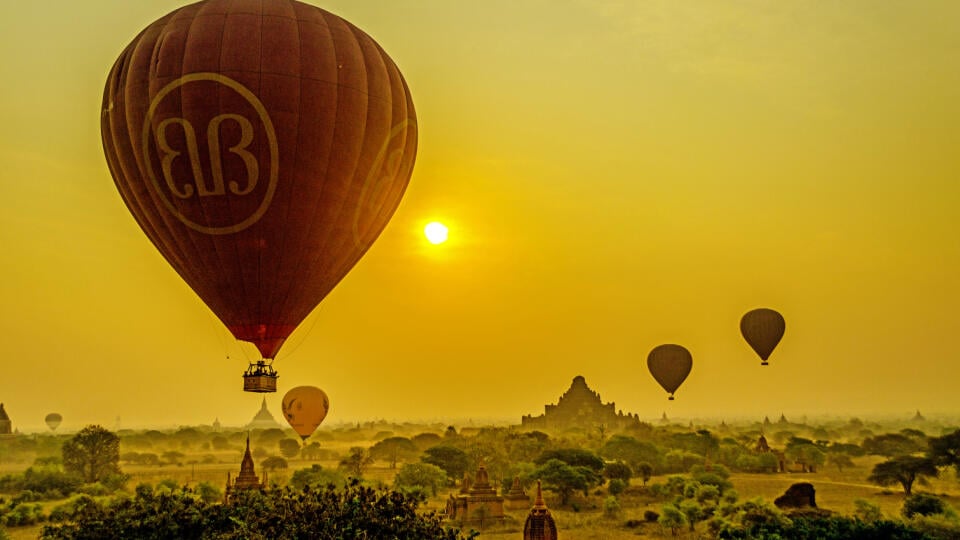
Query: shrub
[
  {"x": 650, "y": 516},
  {"x": 922, "y": 504},
  {"x": 867, "y": 511},
  {"x": 616, "y": 486},
  {"x": 611, "y": 507}
]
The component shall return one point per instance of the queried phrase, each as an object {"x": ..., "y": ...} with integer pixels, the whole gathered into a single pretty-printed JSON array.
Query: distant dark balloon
[
  {"x": 262, "y": 146},
  {"x": 669, "y": 365},
  {"x": 53, "y": 421},
  {"x": 763, "y": 328}
]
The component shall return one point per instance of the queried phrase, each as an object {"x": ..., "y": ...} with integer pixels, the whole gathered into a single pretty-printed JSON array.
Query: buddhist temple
[
  {"x": 263, "y": 419},
  {"x": 580, "y": 407},
  {"x": 918, "y": 417},
  {"x": 480, "y": 505},
  {"x": 539, "y": 524},
  {"x": 247, "y": 479},
  {"x": 516, "y": 498},
  {"x": 6, "y": 426}
]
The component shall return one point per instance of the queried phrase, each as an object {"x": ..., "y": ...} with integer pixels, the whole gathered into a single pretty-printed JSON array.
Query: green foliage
[
  {"x": 672, "y": 518},
  {"x": 867, "y": 511},
  {"x": 618, "y": 471},
  {"x": 565, "y": 479},
  {"x": 209, "y": 493},
  {"x": 394, "y": 449},
  {"x": 893, "y": 444},
  {"x": 23, "y": 514},
  {"x": 611, "y": 507},
  {"x": 93, "y": 453},
  {"x": 356, "y": 461},
  {"x": 575, "y": 457},
  {"x": 323, "y": 514},
  {"x": 903, "y": 470},
  {"x": 616, "y": 486},
  {"x": 922, "y": 504},
  {"x": 449, "y": 458},
  {"x": 631, "y": 451},
  {"x": 289, "y": 448},
  {"x": 945, "y": 450},
  {"x": 420, "y": 476},
  {"x": 316, "y": 476},
  {"x": 831, "y": 528},
  {"x": 273, "y": 463},
  {"x": 644, "y": 471}
]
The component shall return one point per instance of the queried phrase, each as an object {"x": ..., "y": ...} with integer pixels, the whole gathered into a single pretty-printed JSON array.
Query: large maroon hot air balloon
[{"x": 262, "y": 146}]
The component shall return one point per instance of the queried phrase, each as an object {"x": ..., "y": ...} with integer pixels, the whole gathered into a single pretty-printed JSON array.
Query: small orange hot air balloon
[
  {"x": 670, "y": 365},
  {"x": 305, "y": 407},
  {"x": 762, "y": 328}
]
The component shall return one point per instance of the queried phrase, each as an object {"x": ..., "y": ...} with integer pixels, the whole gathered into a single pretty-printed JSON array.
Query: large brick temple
[{"x": 580, "y": 407}]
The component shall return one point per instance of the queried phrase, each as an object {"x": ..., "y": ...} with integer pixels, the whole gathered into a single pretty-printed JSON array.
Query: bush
[
  {"x": 922, "y": 504},
  {"x": 321, "y": 514},
  {"x": 616, "y": 486},
  {"x": 611, "y": 507},
  {"x": 650, "y": 516},
  {"x": 867, "y": 511}
]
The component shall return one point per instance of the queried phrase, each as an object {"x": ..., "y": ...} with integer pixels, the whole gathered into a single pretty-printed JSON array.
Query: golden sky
[{"x": 615, "y": 175}]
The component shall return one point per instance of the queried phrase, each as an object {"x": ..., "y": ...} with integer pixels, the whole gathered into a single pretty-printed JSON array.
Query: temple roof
[
  {"x": 3, "y": 413},
  {"x": 540, "y": 524},
  {"x": 263, "y": 419}
]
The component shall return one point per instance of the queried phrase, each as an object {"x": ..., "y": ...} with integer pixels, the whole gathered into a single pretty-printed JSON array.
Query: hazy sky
[{"x": 615, "y": 175}]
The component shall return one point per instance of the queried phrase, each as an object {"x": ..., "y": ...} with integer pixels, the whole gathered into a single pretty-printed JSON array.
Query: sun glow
[{"x": 436, "y": 232}]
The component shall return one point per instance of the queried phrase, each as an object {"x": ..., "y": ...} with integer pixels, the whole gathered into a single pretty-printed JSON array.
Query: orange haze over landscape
[{"x": 613, "y": 176}]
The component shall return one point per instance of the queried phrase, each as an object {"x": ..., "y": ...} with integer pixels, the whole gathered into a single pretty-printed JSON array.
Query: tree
[
  {"x": 575, "y": 457},
  {"x": 892, "y": 444},
  {"x": 420, "y": 475},
  {"x": 630, "y": 450},
  {"x": 356, "y": 461},
  {"x": 618, "y": 470},
  {"x": 93, "y": 453},
  {"x": 564, "y": 479},
  {"x": 289, "y": 448},
  {"x": 273, "y": 463},
  {"x": 645, "y": 470},
  {"x": 945, "y": 450},
  {"x": 672, "y": 518},
  {"x": 426, "y": 440},
  {"x": 394, "y": 449},
  {"x": 452, "y": 460},
  {"x": 322, "y": 514},
  {"x": 316, "y": 476},
  {"x": 839, "y": 460},
  {"x": 903, "y": 470}
]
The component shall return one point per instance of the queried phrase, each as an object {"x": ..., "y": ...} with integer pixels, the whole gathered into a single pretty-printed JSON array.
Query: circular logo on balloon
[
  {"x": 211, "y": 153},
  {"x": 387, "y": 167}
]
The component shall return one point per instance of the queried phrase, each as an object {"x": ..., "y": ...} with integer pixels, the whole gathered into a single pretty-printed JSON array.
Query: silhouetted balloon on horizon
[
  {"x": 53, "y": 421},
  {"x": 262, "y": 146},
  {"x": 305, "y": 407},
  {"x": 670, "y": 365},
  {"x": 762, "y": 328}
]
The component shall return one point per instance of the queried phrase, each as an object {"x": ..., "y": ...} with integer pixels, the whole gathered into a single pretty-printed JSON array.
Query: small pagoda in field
[
  {"x": 516, "y": 498},
  {"x": 247, "y": 479},
  {"x": 480, "y": 504}
]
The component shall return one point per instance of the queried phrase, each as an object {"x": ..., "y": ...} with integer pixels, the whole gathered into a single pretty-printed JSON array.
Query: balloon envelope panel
[{"x": 262, "y": 146}]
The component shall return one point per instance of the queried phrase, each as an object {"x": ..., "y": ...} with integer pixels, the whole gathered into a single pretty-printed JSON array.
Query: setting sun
[{"x": 436, "y": 232}]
